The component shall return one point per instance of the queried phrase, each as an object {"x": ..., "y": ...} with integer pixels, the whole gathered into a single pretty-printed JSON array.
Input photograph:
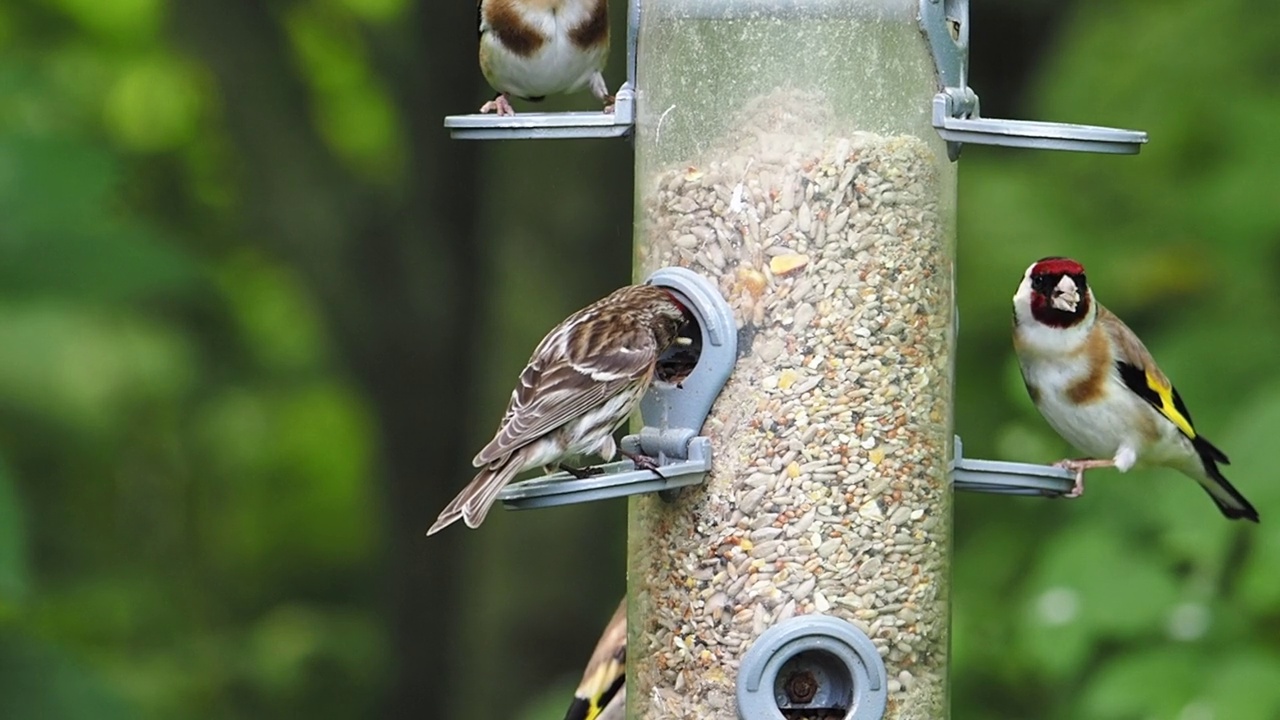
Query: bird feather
[
  {"x": 606, "y": 673},
  {"x": 561, "y": 382}
]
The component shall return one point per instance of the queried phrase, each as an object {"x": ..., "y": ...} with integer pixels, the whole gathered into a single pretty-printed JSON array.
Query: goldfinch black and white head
[{"x": 1097, "y": 385}]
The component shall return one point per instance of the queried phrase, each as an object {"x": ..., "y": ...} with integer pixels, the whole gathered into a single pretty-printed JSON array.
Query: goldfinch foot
[
  {"x": 1078, "y": 467},
  {"x": 500, "y": 105},
  {"x": 609, "y": 102}
]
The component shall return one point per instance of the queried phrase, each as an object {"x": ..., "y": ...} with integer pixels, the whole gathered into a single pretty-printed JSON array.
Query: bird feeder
[
  {"x": 796, "y": 185},
  {"x": 799, "y": 154}
]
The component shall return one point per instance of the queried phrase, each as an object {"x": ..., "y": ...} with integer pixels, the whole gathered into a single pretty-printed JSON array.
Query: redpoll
[
  {"x": 534, "y": 48},
  {"x": 1098, "y": 386},
  {"x": 602, "y": 694},
  {"x": 678, "y": 362},
  {"x": 582, "y": 383}
]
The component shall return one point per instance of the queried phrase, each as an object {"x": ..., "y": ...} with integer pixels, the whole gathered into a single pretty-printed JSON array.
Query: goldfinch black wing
[
  {"x": 602, "y": 692},
  {"x": 1143, "y": 377}
]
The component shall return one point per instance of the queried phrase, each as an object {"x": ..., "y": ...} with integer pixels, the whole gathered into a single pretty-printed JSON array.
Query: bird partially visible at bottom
[
  {"x": 534, "y": 48},
  {"x": 1098, "y": 386},
  {"x": 581, "y": 384},
  {"x": 602, "y": 694}
]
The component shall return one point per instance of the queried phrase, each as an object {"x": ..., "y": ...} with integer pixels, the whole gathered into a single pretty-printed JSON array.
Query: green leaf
[
  {"x": 62, "y": 235},
  {"x": 131, "y": 20},
  {"x": 1243, "y": 686},
  {"x": 1154, "y": 683},
  {"x": 40, "y": 681},
  {"x": 1090, "y": 585},
  {"x": 1252, "y": 439},
  {"x": 551, "y": 703},
  {"x": 85, "y": 369},
  {"x": 154, "y": 104},
  {"x": 278, "y": 317},
  {"x": 13, "y": 571}
]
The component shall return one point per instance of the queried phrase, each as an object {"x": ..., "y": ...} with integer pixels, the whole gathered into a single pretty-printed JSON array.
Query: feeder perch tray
[
  {"x": 673, "y": 414},
  {"x": 1009, "y": 478},
  {"x": 956, "y": 116},
  {"x": 814, "y": 663},
  {"x": 1030, "y": 133},
  {"x": 617, "y": 479},
  {"x": 548, "y": 125}
]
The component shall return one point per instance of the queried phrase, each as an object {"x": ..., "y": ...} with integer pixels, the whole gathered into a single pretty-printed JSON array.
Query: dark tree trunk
[{"x": 396, "y": 270}]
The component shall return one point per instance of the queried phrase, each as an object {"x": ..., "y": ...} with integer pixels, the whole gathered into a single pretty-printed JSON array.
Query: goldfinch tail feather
[{"x": 1225, "y": 496}]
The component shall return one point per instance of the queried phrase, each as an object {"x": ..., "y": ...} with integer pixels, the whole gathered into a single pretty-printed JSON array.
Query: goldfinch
[
  {"x": 602, "y": 694},
  {"x": 533, "y": 48},
  {"x": 1097, "y": 385}
]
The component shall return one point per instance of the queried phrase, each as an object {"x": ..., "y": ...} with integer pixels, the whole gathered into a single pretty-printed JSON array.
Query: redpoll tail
[{"x": 473, "y": 503}]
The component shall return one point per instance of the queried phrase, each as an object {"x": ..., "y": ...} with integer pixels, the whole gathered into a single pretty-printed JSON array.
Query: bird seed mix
[{"x": 830, "y": 491}]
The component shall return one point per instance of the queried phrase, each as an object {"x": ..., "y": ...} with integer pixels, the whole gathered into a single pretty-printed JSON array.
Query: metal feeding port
[
  {"x": 561, "y": 125},
  {"x": 688, "y": 380},
  {"x": 955, "y": 109}
]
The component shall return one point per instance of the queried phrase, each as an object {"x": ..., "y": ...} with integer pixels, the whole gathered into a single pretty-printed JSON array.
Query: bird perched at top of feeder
[
  {"x": 1097, "y": 385},
  {"x": 533, "y": 48},
  {"x": 582, "y": 382},
  {"x": 602, "y": 694}
]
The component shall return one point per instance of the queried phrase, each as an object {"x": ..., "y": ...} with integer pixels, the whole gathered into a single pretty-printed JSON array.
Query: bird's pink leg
[
  {"x": 499, "y": 104},
  {"x": 1079, "y": 466}
]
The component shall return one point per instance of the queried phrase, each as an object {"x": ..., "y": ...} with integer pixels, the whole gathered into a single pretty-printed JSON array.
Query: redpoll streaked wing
[
  {"x": 602, "y": 694},
  {"x": 582, "y": 383},
  {"x": 1097, "y": 385}
]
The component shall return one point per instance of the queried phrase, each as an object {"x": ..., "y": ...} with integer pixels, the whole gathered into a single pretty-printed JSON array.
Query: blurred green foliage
[
  {"x": 1138, "y": 600},
  {"x": 189, "y": 507},
  {"x": 186, "y": 522}
]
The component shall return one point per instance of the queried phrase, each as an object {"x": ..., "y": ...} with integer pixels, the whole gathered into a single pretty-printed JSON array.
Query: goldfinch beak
[{"x": 1066, "y": 296}]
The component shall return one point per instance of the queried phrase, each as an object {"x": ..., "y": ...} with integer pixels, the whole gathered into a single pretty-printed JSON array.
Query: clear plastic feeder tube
[{"x": 785, "y": 151}]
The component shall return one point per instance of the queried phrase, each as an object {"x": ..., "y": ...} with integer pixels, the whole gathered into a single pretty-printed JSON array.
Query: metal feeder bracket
[
  {"x": 561, "y": 125},
  {"x": 1008, "y": 478},
  {"x": 816, "y": 663},
  {"x": 945, "y": 24},
  {"x": 673, "y": 415}
]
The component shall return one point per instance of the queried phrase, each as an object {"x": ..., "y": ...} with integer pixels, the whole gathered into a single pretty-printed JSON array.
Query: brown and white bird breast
[{"x": 533, "y": 48}]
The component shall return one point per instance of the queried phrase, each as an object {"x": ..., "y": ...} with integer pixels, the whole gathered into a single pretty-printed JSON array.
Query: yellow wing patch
[
  {"x": 1167, "y": 407},
  {"x": 595, "y": 689}
]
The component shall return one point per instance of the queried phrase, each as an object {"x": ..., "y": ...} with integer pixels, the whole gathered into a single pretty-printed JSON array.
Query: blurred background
[{"x": 257, "y": 311}]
